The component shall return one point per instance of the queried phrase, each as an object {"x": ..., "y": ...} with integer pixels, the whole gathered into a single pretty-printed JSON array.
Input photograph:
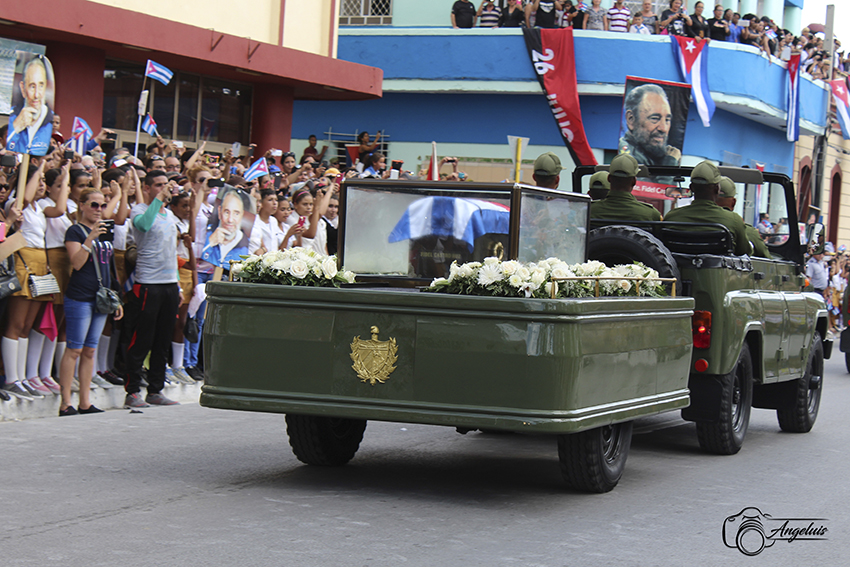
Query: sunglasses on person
[
  {"x": 96, "y": 206},
  {"x": 4, "y": 186},
  {"x": 288, "y": 154}
]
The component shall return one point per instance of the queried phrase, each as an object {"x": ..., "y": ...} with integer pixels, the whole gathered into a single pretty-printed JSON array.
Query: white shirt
[
  {"x": 266, "y": 234},
  {"x": 34, "y": 225},
  {"x": 182, "y": 228},
  {"x": 319, "y": 243},
  {"x": 57, "y": 226}
]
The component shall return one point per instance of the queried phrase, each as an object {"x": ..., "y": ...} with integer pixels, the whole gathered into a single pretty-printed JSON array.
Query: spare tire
[{"x": 619, "y": 244}]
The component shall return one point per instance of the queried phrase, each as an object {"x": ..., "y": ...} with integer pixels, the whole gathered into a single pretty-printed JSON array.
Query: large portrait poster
[
  {"x": 229, "y": 229},
  {"x": 652, "y": 128},
  {"x": 33, "y": 94}
]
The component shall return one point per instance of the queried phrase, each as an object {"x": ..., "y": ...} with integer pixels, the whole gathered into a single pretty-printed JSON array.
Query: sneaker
[
  {"x": 68, "y": 411},
  {"x": 4, "y": 395},
  {"x": 36, "y": 383},
  {"x": 195, "y": 374},
  {"x": 51, "y": 385},
  {"x": 133, "y": 401},
  {"x": 180, "y": 374},
  {"x": 160, "y": 400},
  {"x": 90, "y": 409},
  {"x": 112, "y": 377},
  {"x": 101, "y": 382},
  {"x": 32, "y": 390},
  {"x": 17, "y": 389}
]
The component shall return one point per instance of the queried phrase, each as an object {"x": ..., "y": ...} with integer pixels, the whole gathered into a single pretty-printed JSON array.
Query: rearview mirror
[{"x": 814, "y": 238}]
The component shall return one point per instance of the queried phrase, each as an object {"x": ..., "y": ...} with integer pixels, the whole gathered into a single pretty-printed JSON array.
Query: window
[
  {"x": 223, "y": 108},
  {"x": 366, "y": 12}
]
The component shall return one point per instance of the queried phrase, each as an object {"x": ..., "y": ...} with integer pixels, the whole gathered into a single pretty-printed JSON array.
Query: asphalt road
[{"x": 187, "y": 485}]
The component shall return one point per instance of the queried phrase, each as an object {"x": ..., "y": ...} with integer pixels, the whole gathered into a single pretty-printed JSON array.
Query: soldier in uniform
[
  {"x": 620, "y": 204},
  {"x": 727, "y": 200},
  {"x": 547, "y": 171},
  {"x": 599, "y": 185},
  {"x": 705, "y": 185}
]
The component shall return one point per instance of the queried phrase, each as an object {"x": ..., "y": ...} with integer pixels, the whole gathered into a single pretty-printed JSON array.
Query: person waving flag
[
  {"x": 692, "y": 57},
  {"x": 159, "y": 72},
  {"x": 842, "y": 112},
  {"x": 257, "y": 169},
  {"x": 149, "y": 126}
]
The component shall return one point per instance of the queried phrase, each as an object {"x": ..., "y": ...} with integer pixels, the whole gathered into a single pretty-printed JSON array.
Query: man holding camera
[{"x": 152, "y": 307}]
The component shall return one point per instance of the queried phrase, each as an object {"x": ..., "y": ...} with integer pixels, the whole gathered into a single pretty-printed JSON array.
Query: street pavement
[{"x": 191, "y": 486}]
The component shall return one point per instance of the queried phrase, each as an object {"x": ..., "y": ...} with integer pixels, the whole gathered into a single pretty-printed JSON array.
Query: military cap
[
  {"x": 624, "y": 165},
  {"x": 727, "y": 187},
  {"x": 547, "y": 164},
  {"x": 705, "y": 173},
  {"x": 599, "y": 180}
]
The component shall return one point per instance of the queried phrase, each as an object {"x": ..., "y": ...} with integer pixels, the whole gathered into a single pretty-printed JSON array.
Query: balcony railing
[{"x": 366, "y": 12}]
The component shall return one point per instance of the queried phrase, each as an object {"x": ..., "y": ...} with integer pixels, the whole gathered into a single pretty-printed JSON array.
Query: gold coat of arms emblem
[{"x": 374, "y": 360}]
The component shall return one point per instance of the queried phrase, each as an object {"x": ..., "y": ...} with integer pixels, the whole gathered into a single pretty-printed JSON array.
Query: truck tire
[
  {"x": 802, "y": 416},
  {"x": 726, "y": 435},
  {"x": 594, "y": 460},
  {"x": 324, "y": 441},
  {"x": 620, "y": 244}
]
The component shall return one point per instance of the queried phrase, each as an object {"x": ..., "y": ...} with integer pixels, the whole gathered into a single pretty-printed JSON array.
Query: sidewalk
[{"x": 104, "y": 398}]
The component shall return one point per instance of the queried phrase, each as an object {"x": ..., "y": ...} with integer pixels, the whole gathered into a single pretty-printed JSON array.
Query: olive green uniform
[
  {"x": 705, "y": 211},
  {"x": 622, "y": 205},
  {"x": 759, "y": 247}
]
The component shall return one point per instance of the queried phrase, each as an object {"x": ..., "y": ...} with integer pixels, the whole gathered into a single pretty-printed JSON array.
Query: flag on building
[
  {"x": 257, "y": 169},
  {"x": 692, "y": 57},
  {"x": 159, "y": 72},
  {"x": 792, "y": 122},
  {"x": 149, "y": 126},
  {"x": 842, "y": 112}
]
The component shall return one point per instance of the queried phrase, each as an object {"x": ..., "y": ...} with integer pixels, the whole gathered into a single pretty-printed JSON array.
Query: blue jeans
[
  {"x": 83, "y": 324},
  {"x": 190, "y": 350}
]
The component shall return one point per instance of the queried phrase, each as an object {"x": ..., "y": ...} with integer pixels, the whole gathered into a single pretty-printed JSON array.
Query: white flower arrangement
[
  {"x": 293, "y": 266},
  {"x": 515, "y": 279}
]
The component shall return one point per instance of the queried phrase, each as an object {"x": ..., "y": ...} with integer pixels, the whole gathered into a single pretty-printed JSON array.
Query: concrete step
[{"x": 104, "y": 398}]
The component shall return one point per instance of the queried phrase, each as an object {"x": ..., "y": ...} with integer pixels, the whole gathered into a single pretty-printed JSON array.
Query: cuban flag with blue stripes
[
  {"x": 81, "y": 133},
  {"x": 792, "y": 121},
  {"x": 159, "y": 72},
  {"x": 463, "y": 219},
  {"x": 149, "y": 126},
  {"x": 692, "y": 57},
  {"x": 842, "y": 112},
  {"x": 257, "y": 169}
]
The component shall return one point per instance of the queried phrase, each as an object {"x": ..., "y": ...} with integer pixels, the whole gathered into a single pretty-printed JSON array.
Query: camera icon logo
[{"x": 746, "y": 531}]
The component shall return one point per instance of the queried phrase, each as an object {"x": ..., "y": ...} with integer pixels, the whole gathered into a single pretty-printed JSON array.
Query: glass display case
[{"x": 411, "y": 231}]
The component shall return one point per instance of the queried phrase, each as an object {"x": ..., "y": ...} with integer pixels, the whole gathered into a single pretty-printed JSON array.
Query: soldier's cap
[
  {"x": 705, "y": 173},
  {"x": 548, "y": 164},
  {"x": 599, "y": 180},
  {"x": 624, "y": 165},
  {"x": 727, "y": 187}
]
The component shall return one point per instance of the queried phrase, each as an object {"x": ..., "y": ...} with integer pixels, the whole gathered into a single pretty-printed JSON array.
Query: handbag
[
  {"x": 9, "y": 282},
  {"x": 40, "y": 285},
  {"x": 106, "y": 300},
  {"x": 191, "y": 330}
]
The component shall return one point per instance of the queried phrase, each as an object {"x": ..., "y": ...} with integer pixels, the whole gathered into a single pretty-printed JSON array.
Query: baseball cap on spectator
[
  {"x": 706, "y": 173},
  {"x": 624, "y": 165},
  {"x": 727, "y": 187},
  {"x": 332, "y": 172},
  {"x": 599, "y": 180},
  {"x": 829, "y": 248},
  {"x": 547, "y": 164}
]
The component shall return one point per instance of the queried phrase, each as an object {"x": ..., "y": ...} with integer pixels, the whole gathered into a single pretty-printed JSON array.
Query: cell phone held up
[{"x": 109, "y": 235}]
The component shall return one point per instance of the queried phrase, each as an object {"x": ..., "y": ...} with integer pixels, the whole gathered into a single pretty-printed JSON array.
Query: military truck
[
  {"x": 383, "y": 349},
  {"x": 759, "y": 338}
]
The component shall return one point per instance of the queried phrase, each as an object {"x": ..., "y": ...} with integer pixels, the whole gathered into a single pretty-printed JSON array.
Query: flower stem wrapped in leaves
[
  {"x": 293, "y": 266},
  {"x": 515, "y": 279}
]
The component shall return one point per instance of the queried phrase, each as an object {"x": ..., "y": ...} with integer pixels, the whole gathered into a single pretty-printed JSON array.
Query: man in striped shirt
[
  {"x": 618, "y": 17},
  {"x": 488, "y": 14}
]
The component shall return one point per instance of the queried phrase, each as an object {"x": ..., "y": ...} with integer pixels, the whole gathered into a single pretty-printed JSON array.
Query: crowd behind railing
[{"x": 722, "y": 24}]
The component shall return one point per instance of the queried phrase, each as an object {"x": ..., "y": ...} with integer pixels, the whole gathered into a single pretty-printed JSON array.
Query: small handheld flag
[
  {"x": 257, "y": 169},
  {"x": 149, "y": 126},
  {"x": 80, "y": 125},
  {"x": 159, "y": 72}
]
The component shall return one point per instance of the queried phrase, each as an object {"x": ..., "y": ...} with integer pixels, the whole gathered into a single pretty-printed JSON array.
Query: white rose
[
  {"x": 466, "y": 271},
  {"x": 280, "y": 265},
  {"x": 439, "y": 282},
  {"x": 538, "y": 276},
  {"x": 299, "y": 269},
  {"x": 523, "y": 272},
  {"x": 510, "y": 267},
  {"x": 490, "y": 261},
  {"x": 236, "y": 269},
  {"x": 349, "y": 276},
  {"x": 625, "y": 285},
  {"x": 550, "y": 286},
  {"x": 251, "y": 260},
  {"x": 561, "y": 271},
  {"x": 329, "y": 267}
]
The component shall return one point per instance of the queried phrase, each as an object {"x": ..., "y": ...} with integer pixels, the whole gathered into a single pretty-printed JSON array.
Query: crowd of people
[
  {"x": 153, "y": 230},
  {"x": 829, "y": 274},
  {"x": 722, "y": 24}
]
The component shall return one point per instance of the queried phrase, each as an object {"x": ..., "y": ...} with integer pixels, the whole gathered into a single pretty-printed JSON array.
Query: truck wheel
[
  {"x": 324, "y": 441},
  {"x": 802, "y": 416},
  {"x": 726, "y": 435},
  {"x": 594, "y": 460},
  {"x": 619, "y": 244}
]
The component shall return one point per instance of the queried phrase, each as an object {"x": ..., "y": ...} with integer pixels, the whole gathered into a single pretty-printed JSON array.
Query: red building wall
[{"x": 79, "y": 83}]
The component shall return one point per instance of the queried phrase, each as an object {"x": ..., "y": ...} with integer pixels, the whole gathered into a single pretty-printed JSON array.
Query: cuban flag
[
  {"x": 149, "y": 126},
  {"x": 257, "y": 169},
  {"x": 80, "y": 136},
  {"x": 842, "y": 112},
  {"x": 463, "y": 219},
  {"x": 792, "y": 122},
  {"x": 581, "y": 7},
  {"x": 159, "y": 72},
  {"x": 80, "y": 125},
  {"x": 692, "y": 57}
]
